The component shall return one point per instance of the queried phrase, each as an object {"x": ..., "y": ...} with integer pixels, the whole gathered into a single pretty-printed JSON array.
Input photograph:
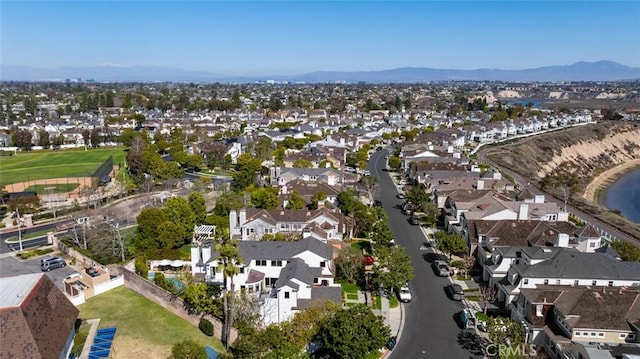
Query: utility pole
[{"x": 19, "y": 229}]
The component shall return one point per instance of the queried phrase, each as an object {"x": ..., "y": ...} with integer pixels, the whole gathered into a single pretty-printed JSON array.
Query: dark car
[
  {"x": 414, "y": 220},
  {"x": 391, "y": 343},
  {"x": 377, "y": 203},
  {"x": 455, "y": 291}
]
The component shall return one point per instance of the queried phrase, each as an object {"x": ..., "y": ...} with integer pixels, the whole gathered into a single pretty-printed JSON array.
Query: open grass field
[
  {"x": 38, "y": 165},
  {"x": 145, "y": 329}
]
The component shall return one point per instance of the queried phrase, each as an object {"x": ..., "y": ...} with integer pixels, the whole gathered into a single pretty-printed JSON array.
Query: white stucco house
[
  {"x": 285, "y": 276},
  {"x": 251, "y": 224}
]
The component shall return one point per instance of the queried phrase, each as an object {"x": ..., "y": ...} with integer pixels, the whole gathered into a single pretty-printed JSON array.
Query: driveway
[
  {"x": 10, "y": 266},
  {"x": 430, "y": 329}
]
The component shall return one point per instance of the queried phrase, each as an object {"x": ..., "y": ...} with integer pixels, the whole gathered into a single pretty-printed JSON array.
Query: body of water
[
  {"x": 537, "y": 103},
  {"x": 624, "y": 195}
]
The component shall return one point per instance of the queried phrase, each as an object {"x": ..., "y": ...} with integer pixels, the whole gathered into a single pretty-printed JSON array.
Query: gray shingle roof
[
  {"x": 570, "y": 263},
  {"x": 250, "y": 250},
  {"x": 297, "y": 269}
]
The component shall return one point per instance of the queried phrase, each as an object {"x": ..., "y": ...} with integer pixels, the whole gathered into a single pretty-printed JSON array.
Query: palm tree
[{"x": 228, "y": 263}]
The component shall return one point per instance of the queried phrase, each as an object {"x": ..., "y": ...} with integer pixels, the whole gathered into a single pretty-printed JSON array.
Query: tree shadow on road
[{"x": 472, "y": 342}]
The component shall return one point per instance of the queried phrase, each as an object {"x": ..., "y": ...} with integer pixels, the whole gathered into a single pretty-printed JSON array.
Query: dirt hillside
[{"x": 583, "y": 151}]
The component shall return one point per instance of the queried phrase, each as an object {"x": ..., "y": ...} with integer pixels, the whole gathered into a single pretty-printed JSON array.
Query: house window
[
  {"x": 252, "y": 230},
  {"x": 610, "y": 283},
  {"x": 594, "y": 282},
  {"x": 601, "y": 334},
  {"x": 526, "y": 281},
  {"x": 622, "y": 335},
  {"x": 286, "y": 295},
  {"x": 261, "y": 262},
  {"x": 276, "y": 263},
  {"x": 593, "y": 334},
  {"x": 322, "y": 264},
  {"x": 315, "y": 280},
  {"x": 241, "y": 269},
  {"x": 575, "y": 282},
  {"x": 578, "y": 334},
  {"x": 592, "y": 245},
  {"x": 546, "y": 281},
  {"x": 631, "y": 336},
  {"x": 242, "y": 288}
]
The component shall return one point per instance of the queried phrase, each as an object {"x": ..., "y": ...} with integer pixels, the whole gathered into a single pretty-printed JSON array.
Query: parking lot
[{"x": 10, "y": 266}]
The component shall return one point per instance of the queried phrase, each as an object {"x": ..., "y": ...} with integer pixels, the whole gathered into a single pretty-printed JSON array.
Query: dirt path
[{"x": 608, "y": 177}]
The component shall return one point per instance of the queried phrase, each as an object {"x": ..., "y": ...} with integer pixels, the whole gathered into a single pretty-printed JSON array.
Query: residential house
[
  {"x": 280, "y": 176},
  {"x": 287, "y": 276},
  {"x": 568, "y": 266},
  {"x": 555, "y": 317},
  {"x": 252, "y": 224},
  {"x": 309, "y": 189},
  {"x": 36, "y": 318}
]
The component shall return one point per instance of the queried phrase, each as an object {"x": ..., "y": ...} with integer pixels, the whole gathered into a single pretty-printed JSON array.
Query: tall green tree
[
  {"x": 229, "y": 260},
  {"x": 170, "y": 235},
  {"x": 147, "y": 232},
  {"x": 393, "y": 267},
  {"x": 450, "y": 243},
  {"x": 353, "y": 333},
  {"x": 198, "y": 206},
  {"x": 179, "y": 211},
  {"x": 302, "y": 163},
  {"x": 295, "y": 201},
  {"x": 266, "y": 197},
  {"x": 394, "y": 163}
]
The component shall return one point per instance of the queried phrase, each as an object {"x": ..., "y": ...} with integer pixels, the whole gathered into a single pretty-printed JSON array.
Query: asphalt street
[{"x": 430, "y": 328}]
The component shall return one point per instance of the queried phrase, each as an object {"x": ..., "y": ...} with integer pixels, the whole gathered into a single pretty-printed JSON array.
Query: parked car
[
  {"x": 391, "y": 343},
  {"x": 367, "y": 173},
  {"x": 403, "y": 182},
  {"x": 441, "y": 268},
  {"x": 404, "y": 294},
  {"x": 377, "y": 203},
  {"x": 368, "y": 260},
  {"x": 400, "y": 195},
  {"x": 455, "y": 291},
  {"x": 350, "y": 169},
  {"x": 47, "y": 264},
  {"x": 414, "y": 220}
]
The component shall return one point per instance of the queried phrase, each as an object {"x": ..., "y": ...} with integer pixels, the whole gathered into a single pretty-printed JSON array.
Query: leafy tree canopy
[{"x": 354, "y": 332}]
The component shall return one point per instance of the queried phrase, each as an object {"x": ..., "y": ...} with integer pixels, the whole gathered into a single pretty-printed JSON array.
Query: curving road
[{"x": 430, "y": 329}]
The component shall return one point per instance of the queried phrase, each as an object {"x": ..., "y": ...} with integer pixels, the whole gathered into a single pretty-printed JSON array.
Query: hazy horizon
[{"x": 296, "y": 37}]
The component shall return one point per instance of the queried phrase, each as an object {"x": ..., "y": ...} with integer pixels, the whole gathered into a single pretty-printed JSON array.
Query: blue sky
[{"x": 273, "y": 38}]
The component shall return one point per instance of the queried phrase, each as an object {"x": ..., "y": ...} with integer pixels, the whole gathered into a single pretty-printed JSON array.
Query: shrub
[
  {"x": 142, "y": 269},
  {"x": 457, "y": 264},
  {"x": 206, "y": 327}
]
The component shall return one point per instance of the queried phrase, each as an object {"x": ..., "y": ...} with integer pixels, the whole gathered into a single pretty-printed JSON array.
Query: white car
[
  {"x": 367, "y": 173},
  {"x": 404, "y": 294}
]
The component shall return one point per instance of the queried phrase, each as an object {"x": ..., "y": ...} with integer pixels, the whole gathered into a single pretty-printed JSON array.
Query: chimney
[
  {"x": 480, "y": 185},
  {"x": 242, "y": 218},
  {"x": 524, "y": 212},
  {"x": 233, "y": 219},
  {"x": 563, "y": 240}
]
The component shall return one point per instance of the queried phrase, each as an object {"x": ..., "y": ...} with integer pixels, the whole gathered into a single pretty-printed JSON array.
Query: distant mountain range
[{"x": 580, "y": 71}]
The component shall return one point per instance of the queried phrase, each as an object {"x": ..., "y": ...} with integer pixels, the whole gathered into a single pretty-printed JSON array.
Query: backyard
[{"x": 145, "y": 329}]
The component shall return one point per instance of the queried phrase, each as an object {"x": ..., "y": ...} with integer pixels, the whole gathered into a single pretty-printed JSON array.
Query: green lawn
[
  {"x": 350, "y": 287},
  {"x": 378, "y": 304},
  {"x": 352, "y": 296},
  {"x": 35, "y": 165},
  {"x": 393, "y": 302},
  {"x": 145, "y": 329}
]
